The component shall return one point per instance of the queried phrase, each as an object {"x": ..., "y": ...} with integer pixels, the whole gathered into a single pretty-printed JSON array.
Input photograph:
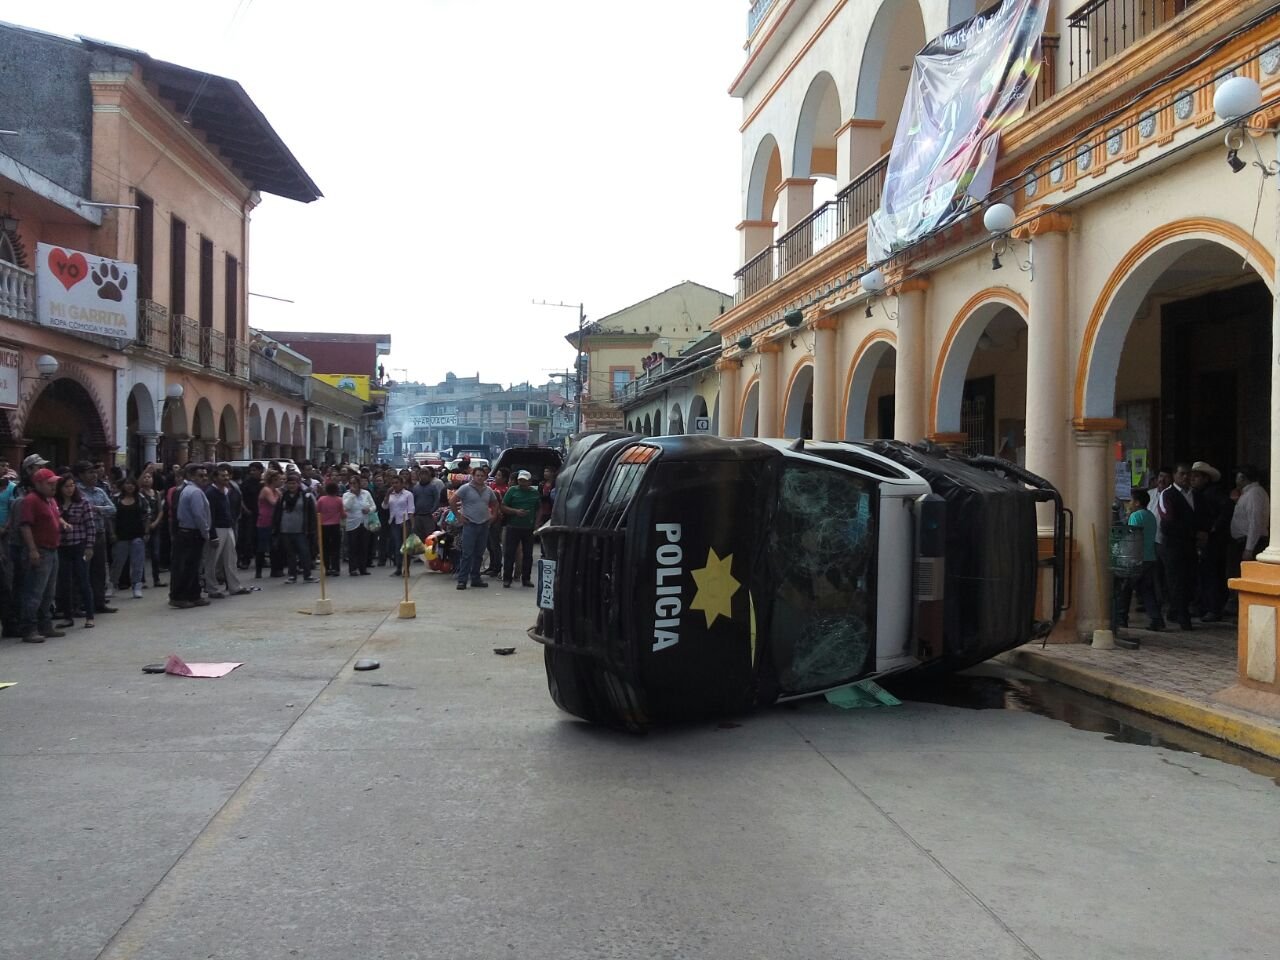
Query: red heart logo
[{"x": 69, "y": 270}]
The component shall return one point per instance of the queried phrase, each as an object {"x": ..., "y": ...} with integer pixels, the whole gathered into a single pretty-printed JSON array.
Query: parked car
[{"x": 692, "y": 576}]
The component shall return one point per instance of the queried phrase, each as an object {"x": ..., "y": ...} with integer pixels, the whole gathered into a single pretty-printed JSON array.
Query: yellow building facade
[{"x": 1123, "y": 321}]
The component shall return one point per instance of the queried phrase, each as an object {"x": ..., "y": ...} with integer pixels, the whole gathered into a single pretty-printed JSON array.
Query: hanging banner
[
  {"x": 966, "y": 86},
  {"x": 353, "y": 383},
  {"x": 85, "y": 293}
]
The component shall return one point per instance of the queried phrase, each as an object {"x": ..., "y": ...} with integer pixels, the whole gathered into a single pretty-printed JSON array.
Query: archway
[
  {"x": 869, "y": 397},
  {"x": 630, "y": 428},
  {"x": 65, "y": 425},
  {"x": 657, "y": 423},
  {"x": 204, "y": 431},
  {"x": 333, "y": 440},
  {"x": 648, "y": 426},
  {"x": 982, "y": 377},
  {"x": 814, "y": 155},
  {"x": 317, "y": 451},
  {"x": 140, "y": 427},
  {"x": 698, "y": 411},
  {"x": 675, "y": 421},
  {"x": 897, "y": 33},
  {"x": 750, "y": 424},
  {"x": 797, "y": 419},
  {"x": 1180, "y": 352},
  {"x": 764, "y": 179},
  {"x": 349, "y": 451},
  {"x": 255, "y": 431},
  {"x": 299, "y": 438},
  {"x": 271, "y": 434},
  {"x": 229, "y": 441}
]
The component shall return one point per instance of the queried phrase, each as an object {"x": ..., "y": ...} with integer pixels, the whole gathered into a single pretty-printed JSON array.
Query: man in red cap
[{"x": 41, "y": 525}]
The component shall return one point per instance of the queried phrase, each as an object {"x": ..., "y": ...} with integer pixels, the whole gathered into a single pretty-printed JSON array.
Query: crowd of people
[
  {"x": 74, "y": 539},
  {"x": 1195, "y": 532}
]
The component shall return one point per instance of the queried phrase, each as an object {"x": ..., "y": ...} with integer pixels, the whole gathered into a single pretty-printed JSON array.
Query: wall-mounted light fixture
[
  {"x": 873, "y": 283},
  {"x": 999, "y": 220},
  {"x": 174, "y": 391},
  {"x": 46, "y": 365},
  {"x": 1236, "y": 101}
]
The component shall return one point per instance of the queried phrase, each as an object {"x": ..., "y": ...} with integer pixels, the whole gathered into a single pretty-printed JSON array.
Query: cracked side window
[{"x": 820, "y": 547}]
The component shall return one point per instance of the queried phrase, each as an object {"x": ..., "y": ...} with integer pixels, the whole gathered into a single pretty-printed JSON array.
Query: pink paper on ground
[{"x": 176, "y": 666}]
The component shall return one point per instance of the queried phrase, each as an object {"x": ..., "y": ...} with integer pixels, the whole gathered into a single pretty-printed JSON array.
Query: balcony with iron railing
[
  {"x": 1101, "y": 29},
  {"x": 213, "y": 348},
  {"x": 850, "y": 209},
  {"x": 755, "y": 15},
  {"x": 184, "y": 338},
  {"x": 275, "y": 376},
  {"x": 153, "y": 326}
]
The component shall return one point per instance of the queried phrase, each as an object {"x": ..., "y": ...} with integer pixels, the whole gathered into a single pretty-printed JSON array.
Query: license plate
[{"x": 547, "y": 584}]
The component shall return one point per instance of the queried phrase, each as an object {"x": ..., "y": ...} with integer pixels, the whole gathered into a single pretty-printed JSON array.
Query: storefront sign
[
  {"x": 10, "y": 378},
  {"x": 441, "y": 420},
  {"x": 85, "y": 293},
  {"x": 966, "y": 86}
]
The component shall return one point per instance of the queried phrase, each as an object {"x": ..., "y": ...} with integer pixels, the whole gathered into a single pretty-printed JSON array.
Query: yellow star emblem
[{"x": 716, "y": 587}]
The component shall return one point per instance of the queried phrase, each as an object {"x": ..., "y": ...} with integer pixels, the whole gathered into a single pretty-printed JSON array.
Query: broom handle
[{"x": 320, "y": 543}]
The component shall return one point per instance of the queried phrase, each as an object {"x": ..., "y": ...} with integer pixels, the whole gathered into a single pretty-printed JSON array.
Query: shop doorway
[{"x": 1215, "y": 378}]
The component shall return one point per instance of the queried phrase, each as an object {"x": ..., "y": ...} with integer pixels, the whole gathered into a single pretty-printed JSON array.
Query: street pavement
[{"x": 442, "y": 807}]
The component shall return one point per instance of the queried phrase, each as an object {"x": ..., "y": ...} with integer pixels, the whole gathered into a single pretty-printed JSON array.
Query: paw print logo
[{"x": 111, "y": 283}]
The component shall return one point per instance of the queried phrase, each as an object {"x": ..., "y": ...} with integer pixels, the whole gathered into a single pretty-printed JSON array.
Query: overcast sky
[{"x": 475, "y": 155}]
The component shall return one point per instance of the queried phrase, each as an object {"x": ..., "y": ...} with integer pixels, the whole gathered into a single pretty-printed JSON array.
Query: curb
[{"x": 1220, "y": 722}]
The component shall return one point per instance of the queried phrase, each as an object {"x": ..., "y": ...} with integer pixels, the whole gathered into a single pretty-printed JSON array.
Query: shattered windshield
[{"x": 821, "y": 546}]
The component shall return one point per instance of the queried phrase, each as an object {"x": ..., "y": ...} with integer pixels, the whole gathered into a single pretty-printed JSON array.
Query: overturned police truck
[{"x": 688, "y": 577}]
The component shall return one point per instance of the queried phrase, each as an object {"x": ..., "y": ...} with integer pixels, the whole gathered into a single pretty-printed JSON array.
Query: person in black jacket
[
  {"x": 294, "y": 522},
  {"x": 1179, "y": 526}
]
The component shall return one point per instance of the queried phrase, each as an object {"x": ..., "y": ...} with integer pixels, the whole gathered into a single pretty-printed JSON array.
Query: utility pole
[{"x": 582, "y": 322}]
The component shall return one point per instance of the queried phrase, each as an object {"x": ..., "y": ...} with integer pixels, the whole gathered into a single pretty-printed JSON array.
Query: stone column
[
  {"x": 825, "y": 420},
  {"x": 857, "y": 147},
  {"x": 769, "y": 355},
  {"x": 181, "y": 449},
  {"x": 795, "y": 201},
  {"x": 911, "y": 388},
  {"x": 728, "y": 370},
  {"x": 1094, "y": 478},
  {"x": 754, "y": 236},
  {"x": 1048, "y": 414},
  {"x": 149, "y": 442}
]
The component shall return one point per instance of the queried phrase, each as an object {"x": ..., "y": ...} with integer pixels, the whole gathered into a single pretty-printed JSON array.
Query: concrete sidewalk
[{"x": 1185, "y": 678}]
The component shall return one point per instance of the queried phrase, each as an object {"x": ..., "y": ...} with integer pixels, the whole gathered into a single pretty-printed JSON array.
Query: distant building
[
  {"x": 347, "y": 397},
  {"x": 618, "y": 346},
  {"x": 466, "y": 412}
]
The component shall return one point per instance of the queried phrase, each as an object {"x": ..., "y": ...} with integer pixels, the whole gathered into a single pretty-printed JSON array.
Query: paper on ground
[
  {"x": 12, "y": 684},
  {"x": 178, "y": 668}
]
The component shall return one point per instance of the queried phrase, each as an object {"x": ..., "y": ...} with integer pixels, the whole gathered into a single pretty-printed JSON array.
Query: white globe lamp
[
  {"x": 1236, "y": 98},
  {"x": 999, "y": 218}
]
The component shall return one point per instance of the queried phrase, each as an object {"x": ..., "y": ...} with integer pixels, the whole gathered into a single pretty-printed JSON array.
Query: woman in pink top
[
  {"x": 330, "y": 509},
  {"x": 267, "y": 498}
]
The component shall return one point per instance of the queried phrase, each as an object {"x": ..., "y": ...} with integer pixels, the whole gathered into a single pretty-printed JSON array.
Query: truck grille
[{"x": 589, "y": 598}]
